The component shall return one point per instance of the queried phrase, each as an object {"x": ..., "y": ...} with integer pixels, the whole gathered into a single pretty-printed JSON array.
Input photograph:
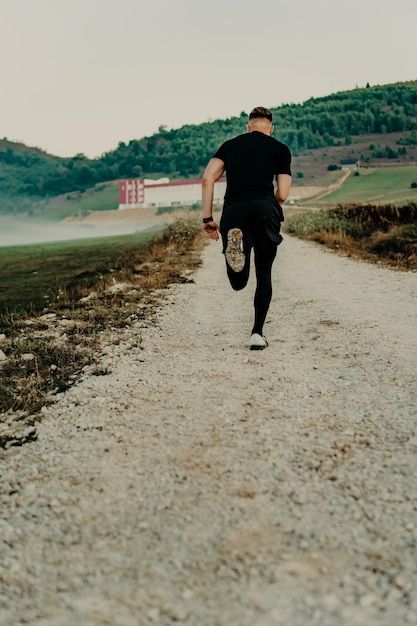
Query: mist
[{"x": 30, "y": 232}]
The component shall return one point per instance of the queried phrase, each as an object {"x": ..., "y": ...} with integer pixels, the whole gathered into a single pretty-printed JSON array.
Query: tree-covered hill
[
  {"x": 319, "y": 122},
  {"x": 26, "y": 174}
]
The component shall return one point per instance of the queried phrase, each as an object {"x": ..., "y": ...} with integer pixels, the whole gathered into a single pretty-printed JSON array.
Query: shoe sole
[
  {"x": 257, "y": 347},
  {"x": 235, "y": 257}
]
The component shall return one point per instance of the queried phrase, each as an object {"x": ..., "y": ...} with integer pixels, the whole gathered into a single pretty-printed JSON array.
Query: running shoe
[
  {"x": 235, "y": 257},
  {"x": 258, "y": 342}
]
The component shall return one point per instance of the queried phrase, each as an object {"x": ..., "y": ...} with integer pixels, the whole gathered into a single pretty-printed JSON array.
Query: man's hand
[{"x": 212, "y": 230}]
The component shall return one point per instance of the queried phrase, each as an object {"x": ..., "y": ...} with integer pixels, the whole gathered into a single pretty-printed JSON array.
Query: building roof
[{"x": 176, "y": 183}]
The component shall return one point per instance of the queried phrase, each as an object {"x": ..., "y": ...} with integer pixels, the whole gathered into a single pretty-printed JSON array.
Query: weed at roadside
[
  {"x": 385, "y": 234},
  {"x": 47, "y": 354}
]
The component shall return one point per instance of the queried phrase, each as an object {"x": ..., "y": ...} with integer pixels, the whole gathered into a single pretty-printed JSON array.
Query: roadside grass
[
  {"x": 377, "y": 185},
  {"x": 381, "y": 234},
  {"x": 47, "y": 346},
  {"x": 32, "y": 275}
]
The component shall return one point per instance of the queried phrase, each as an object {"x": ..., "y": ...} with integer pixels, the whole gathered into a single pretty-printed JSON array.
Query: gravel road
[{"x": 199, "y": 483}]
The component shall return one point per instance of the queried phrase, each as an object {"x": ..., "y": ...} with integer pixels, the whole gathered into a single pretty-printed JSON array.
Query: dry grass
[
  {"x": 372, "y": 217},
  {"x": 46, "y": 354},
  {"x": 378, "y": 234}
]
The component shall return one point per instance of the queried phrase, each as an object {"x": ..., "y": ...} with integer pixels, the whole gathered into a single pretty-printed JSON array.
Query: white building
[{"x": 135, "y": 194}]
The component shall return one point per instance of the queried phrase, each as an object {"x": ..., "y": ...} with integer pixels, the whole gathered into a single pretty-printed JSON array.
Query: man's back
[{"x": 251, "y": 162}]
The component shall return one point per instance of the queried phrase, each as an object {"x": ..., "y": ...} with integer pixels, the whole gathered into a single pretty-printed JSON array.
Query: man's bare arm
[
  {"x": 283, "y": 187},
  {"x": 213, "y": 172}
]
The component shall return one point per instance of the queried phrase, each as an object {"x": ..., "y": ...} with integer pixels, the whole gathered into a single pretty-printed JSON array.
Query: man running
[{"x": 252, "y": 212}]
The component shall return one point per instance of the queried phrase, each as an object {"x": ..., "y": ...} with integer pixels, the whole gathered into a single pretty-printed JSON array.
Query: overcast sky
[{"x": 82, "y": 75}]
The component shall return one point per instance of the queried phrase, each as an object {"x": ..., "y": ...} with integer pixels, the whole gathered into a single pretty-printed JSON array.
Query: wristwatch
[{"x": 206, "y": 220}]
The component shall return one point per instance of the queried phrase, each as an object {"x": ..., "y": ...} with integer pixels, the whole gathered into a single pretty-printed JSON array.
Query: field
[
  {"x": 32, "y": 274},
  {"x": 380, "y": 185},
  {"x": 310, "y": 166}
]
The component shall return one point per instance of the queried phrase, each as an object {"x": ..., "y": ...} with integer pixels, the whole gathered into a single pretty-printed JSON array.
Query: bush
[
  {"x": 399, "y": 244},
  {"x": 374, "y": 217},
  {"x": 305, "y": 224},
  {"x": 333, "y": 167},
  {"x": 352, "y": 220},
  {"x": 379, "y": 233},
  {"x": 410, "y": 231}
]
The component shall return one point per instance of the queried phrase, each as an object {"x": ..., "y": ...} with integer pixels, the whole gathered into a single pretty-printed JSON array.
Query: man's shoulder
[
  {"x": 230, "y": 144},
  {"x": 237, "y": 139},
  {"x": 279, "y": 144}
]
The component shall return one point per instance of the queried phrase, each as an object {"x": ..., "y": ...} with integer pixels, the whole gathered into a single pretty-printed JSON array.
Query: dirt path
[
  {"x": 202, "y": 484},
  {"x": 335, "y": 186}
]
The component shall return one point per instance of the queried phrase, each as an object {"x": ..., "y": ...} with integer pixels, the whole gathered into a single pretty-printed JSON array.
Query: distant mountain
[{"x": 27, "y": 174}]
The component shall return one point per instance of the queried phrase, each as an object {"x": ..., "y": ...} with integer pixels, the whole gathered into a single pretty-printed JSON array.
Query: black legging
[{"x": 264, "y": 258}]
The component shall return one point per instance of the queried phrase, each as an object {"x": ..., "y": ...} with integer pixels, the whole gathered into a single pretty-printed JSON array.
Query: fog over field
[{"x": 29, "y": 232}]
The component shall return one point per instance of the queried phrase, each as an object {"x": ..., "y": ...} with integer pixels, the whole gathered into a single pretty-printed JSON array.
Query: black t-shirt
[{"x": 252, "y": 161}]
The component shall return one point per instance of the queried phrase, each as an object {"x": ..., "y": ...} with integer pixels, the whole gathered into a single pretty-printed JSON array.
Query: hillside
[
  {"x": 375, "y": 150},
  {"x": 374, "y": 124},
  {"x": 101, "y": 197}
]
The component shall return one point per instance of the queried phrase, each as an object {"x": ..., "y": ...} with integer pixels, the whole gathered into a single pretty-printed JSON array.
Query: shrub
[
  {"x": 386, "y": 233},
  {"x": 305, "y": 224},
  {"x": 374, "y": 217}
]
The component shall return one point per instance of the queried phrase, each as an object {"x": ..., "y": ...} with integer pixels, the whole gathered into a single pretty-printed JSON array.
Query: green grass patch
[
  {"x": 377, "y": 185},
  {"x": 33, "y": 275},
  {"x": 304, "y": 224}
]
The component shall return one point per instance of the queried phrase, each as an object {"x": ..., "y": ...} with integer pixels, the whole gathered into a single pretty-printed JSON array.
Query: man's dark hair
[{"x": 260, "y": 112}]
